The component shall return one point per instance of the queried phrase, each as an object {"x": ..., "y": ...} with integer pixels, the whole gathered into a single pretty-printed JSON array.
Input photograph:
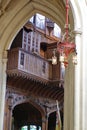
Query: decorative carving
[
  {"x": 3, "y": 6},
  {"x": 15, "y": 98}
]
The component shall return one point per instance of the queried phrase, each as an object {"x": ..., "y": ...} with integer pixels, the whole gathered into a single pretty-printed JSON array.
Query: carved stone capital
[{"x": 77, "y": 31}]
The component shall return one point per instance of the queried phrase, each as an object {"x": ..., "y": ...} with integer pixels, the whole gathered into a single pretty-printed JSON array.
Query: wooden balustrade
[{"x": 31, "y": 63}]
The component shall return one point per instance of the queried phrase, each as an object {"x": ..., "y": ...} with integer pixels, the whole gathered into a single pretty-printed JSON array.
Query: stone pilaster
[{"x": 3, "y": 63}]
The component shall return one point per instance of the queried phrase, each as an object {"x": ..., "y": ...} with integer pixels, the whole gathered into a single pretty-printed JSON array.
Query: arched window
[
  {"x": 40, "y": 21},
  {"x": 57, "y": 30}
]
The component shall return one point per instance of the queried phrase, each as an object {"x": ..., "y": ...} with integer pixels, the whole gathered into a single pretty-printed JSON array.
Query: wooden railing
[{"x": 18, "y": 59}]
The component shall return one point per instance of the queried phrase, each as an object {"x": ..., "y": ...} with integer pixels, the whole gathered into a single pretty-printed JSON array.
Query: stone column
[
  {"x": 69, "y": 96},
  {"x": 71, "y": 92},
  {"x": 3, "y": 63},
  {"x": 77, "y": 84}
]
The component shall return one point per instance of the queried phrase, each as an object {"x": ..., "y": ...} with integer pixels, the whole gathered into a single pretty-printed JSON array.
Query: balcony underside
[{"x": 32, "y": 85}]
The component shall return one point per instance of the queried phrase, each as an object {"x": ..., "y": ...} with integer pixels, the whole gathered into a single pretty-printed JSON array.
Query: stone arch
[
  {"x": 19, "y": 17},
  {"x": 76, "y": 11},
  {"x": 25, "y": 11},
  {"x": 22, "y": 12}
]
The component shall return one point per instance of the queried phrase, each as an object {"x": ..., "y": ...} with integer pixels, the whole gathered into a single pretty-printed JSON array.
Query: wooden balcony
[
  {"x": 32, "y": 65},
  {"x": 31, "y": 74}
]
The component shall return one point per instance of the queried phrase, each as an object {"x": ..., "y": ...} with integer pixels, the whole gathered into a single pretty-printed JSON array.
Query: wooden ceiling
[{"x": 28, "y": 86}]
